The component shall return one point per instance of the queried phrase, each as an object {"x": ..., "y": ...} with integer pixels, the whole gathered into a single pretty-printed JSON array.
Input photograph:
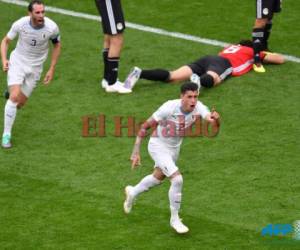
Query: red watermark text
[{"x": 95, "y": 126}]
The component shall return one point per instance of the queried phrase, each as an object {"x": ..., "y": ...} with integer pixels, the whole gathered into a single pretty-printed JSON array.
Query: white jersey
[
  {"x": 33, "y": 43},
  {"x": 172, "y": 122}
]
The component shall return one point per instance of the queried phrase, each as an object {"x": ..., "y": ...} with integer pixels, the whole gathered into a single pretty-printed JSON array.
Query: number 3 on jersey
[{"x": 33, "y": 42}]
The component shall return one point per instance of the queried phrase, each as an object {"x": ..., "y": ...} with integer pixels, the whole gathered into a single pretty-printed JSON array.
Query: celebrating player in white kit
[
  {"x": 169, "y": 122},
  {"x": 25, "y": 64}
]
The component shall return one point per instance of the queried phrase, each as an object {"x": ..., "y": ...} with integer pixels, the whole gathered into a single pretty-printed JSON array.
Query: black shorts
[
  {"x": 266, "y": 8},
  {"x": 216, "y": 64},
  {"x": 112, "y": 16}
]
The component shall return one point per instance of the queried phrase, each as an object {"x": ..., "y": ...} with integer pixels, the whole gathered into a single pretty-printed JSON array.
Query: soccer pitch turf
[{"x": 59, "y": 190}]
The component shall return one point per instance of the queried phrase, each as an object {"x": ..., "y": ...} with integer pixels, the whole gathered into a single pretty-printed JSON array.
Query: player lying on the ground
[{"x": 208, "y": 71}]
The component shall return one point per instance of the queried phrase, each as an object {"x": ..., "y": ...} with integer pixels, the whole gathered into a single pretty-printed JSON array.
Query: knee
[
  {"x": 14, "y": 97},
  {"x": 216, "y": 78},
  {"x": 117, "y": 40},
  {"x": 18, "y": 98}
]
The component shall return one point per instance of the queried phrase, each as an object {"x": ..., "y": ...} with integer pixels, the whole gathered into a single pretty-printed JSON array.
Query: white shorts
[
  {"x": 21, "y": 74},
  {"x": 164, "y": 157}
]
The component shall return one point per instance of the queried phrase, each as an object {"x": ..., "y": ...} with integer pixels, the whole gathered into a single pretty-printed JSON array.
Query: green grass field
[{"x": 59, "y": 190}]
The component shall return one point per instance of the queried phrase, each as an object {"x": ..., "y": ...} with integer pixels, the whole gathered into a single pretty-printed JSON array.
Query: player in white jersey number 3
[
  {"x": 25, "y": 64},
  {"x": 164, "y": 145}
]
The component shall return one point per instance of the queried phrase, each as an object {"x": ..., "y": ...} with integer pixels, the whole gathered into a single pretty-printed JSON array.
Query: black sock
[
  {"x": 155, "y": 75},
  {"x": 258, "y": 40},
  {"x": 206, "y": 80},
  {"x": 112, "y": 69},
  {"x": 105, "y": 56},
  {"x": 267, "y": 32},
  {"x": 6, "y": 94}
]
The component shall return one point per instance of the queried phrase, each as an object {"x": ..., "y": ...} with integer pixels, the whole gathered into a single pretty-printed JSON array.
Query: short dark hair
[
  {"x": 188, "y": 86},
  {"x": 247, "y": 43},
  {"x": 33, "y": 2}
]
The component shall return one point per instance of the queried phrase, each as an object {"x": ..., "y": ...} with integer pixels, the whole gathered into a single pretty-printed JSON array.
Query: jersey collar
[{"x": 36, "y": 27}]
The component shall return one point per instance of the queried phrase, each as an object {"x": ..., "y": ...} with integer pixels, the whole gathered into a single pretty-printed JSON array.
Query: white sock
[
  {"x": 175, "y": 196},
  {"x": 10, "y": 112},
  {"x": 147, "y": 182}
]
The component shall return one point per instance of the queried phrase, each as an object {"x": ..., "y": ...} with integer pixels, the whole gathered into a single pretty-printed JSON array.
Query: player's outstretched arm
[
  {"x": 4, "y": 47},
  {"x": 273, "y": 58},
  {"x": 135, "y": 155},
  {"x": 54, "y": 58}
]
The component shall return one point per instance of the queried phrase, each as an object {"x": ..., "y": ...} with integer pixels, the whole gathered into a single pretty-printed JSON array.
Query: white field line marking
[{"x": 141, "y": 27}]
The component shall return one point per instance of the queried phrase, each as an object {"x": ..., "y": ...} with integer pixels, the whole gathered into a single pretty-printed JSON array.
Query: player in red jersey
[
  {"x": 241, "y": 58},
  {"x": 208, "y": 71}
]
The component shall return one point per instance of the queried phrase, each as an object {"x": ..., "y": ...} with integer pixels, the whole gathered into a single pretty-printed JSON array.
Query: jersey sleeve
[
  {"x": 55, "y": 37},
  {"x": 14, "y": 30},
  {"x": 202, "y": 109},
  {"x": 163, "y": 112}
]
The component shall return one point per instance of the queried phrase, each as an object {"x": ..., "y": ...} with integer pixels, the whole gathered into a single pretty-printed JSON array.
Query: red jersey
[{"x": 240, "y": 57}]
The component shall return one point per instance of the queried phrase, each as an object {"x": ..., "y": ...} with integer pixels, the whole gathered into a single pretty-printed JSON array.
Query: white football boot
[
  {"x": 132, "y": 77},
  {"x": 104, "y": 83},
  {"x": 117, "y": 87},
  {"x": 178, "y": 226},
  {"x": 128, "y": 203}
]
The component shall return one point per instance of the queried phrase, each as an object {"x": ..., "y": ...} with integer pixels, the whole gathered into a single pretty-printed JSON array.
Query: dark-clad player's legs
[
  {"x": 113, "y": 45},
  {"x": 258, "y": 38},
  {"x": 113, "y": 26},
  {"x": 265, "y": 10}
]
